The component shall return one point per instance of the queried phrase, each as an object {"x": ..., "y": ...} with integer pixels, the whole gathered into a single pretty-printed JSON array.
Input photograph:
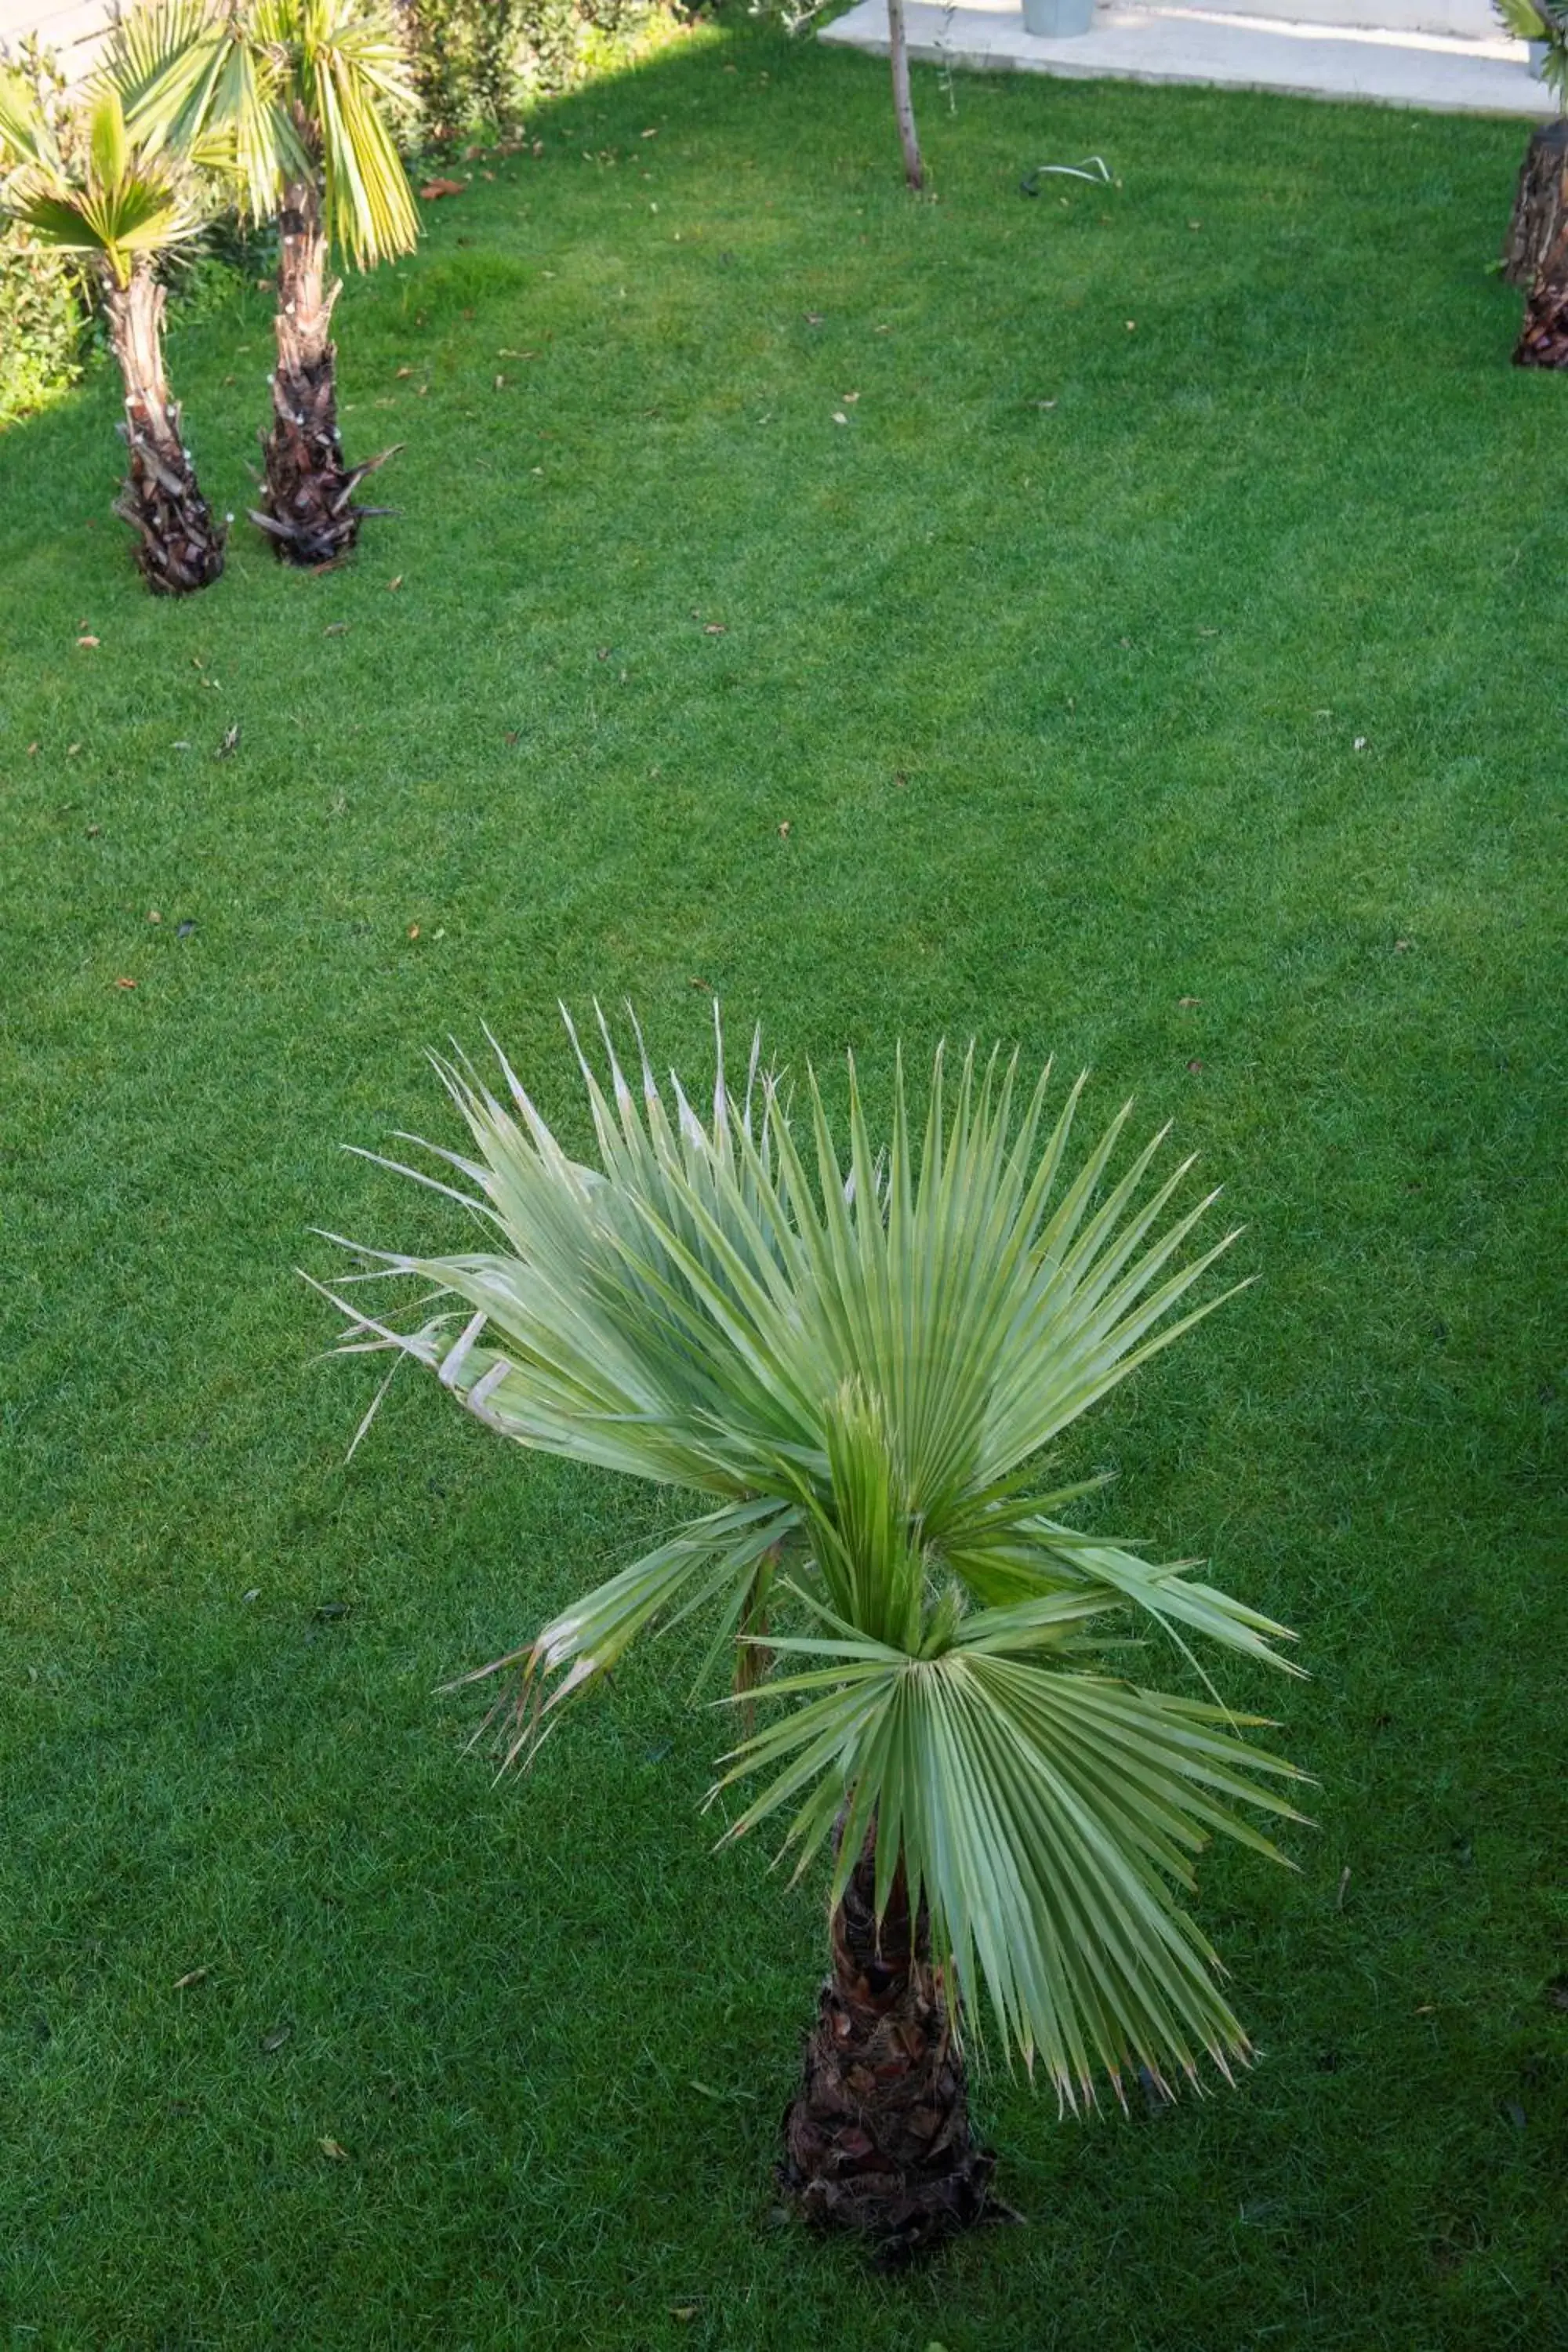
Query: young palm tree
[
  {"x": 122, "y": 210},
  {"x": 861, "y": 1359},
  {"x": 301, "y": 90}
]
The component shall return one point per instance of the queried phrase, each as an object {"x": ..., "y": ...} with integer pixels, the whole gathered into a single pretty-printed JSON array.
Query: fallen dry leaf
[
  {"x": 1194, "y": 1067},
  {"x": 706, "y": 985},
  {"x": 124, "y": 983},
  {"x": 334, "y": 2148},
  {"x": 1187, "y": 1002},
  {"x": 414, "y": 930},
  {"x": 93, "y": 831},
  {"x": 814, "y": 318},
  {"x": 89, "y": 641},
  {"x": 276, "y": 2038},
  {"x": 192, "y": 1977},
  {"x": 1403, "y": 947},
  {"x": 433, "y": 188},
  {"x": 336, "y": 629},
  {"x": 1360, "y": 743},
  {"x": 394, "y": 584},
  {"x": 784, "y": 829},
  {"x": 153, "y": 916},
  {"x": 403, "y": 371},
  {"x": 31, "y": 749},
  {"x": 500, "y": 382},
  {"x": 713, "y": 629},
  {"x": 71, "y": 751},
  {"x": 839, "y": 417},
  {"x": 1133, "y": 326}
]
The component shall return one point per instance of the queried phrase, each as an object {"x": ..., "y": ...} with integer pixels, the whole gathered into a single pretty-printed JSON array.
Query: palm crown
[
  {"x": 861, "y": 1359},
  {"x": 119, "y": 203},
  {"x": 293, "y": 91}
]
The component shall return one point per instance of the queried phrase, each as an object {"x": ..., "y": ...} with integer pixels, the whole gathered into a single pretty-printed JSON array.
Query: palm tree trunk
[
  {"x": 903, "y": 104},
  {"x": 878, "y": 2136},
  {"x": 307, "y": 508},
  {"x": 1543, "y": 338},
  {"x": 179, "y": 547}
]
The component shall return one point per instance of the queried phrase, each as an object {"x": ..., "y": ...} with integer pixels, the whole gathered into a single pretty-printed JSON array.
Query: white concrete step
[
  {"x": 1465, "y": 20},
  {"x": 1219, "y": 46}
]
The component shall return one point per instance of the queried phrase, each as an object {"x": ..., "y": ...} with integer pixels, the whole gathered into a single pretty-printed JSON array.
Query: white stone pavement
[
  {"x": 1466, "y": 66},
  {"x": 73, "y": 27}
]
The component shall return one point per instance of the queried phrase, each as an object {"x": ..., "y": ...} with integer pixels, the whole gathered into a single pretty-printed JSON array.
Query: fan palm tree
[
  {"x": 122, "y": 209},
  {"x": 861, "y": 1359},
  {"x": 300, "y": 90}
]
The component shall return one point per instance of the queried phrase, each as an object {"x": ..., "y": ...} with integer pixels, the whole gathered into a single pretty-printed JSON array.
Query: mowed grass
[{"x": 1034, "y": 716}]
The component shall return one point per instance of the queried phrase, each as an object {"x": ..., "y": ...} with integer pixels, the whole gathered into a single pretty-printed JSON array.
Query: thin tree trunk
[
  {"x": 1543, "y": 338},
  {"x": 307, "y": 508},
  {"x": 903, "y": 105},
  {"x": 179, "y": 548},
  {"x": 877, "y": 2137}
]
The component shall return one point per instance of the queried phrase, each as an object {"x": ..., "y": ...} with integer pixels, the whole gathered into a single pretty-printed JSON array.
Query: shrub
[
  {"x": 483, "y": 61},
  {"x": 42, "y": 324}
]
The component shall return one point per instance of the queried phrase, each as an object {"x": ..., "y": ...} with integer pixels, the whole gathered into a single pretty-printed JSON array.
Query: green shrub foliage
[
  {"x": 479, "y": 62},
  {"x": 42, "y": 324}
]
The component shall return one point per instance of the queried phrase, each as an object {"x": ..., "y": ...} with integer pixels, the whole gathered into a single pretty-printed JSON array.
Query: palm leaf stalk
[
  {"x": 861, "y": 1359},
  {"x": 122, "y": 209},
  {"x": 300, "y": 93}
]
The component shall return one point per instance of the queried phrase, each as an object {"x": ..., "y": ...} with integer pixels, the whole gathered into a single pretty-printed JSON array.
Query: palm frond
[
  {"x": 1042, "y": 1814},
  {"x": 26, "y": 137}
]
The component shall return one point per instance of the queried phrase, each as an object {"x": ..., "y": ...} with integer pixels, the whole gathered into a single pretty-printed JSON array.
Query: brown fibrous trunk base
[
  {"x": 308, "y": 506},
  {"x": 877, "y": 2137},
  {"x": 179, "y": 547},
  {"x": 1535, "y": 253}
]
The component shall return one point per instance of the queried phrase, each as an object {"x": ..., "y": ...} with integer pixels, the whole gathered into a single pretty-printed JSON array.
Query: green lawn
[{"x": 1035, "y": 714}]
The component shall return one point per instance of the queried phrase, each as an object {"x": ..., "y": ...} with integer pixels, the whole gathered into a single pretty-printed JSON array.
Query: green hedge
[{"x": 480, "y": 63}]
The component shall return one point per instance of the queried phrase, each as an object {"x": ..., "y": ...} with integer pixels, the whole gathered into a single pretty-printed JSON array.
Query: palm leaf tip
[{"x": 859, "y": 1347}]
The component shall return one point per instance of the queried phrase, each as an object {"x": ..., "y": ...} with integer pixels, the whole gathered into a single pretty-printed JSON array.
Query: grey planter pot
[{"x": 1058, "y": 20}]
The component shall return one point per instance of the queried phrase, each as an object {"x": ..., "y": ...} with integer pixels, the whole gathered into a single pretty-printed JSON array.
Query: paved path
[
  {"x": 72, "y": 27},
  {"x": 1390, "y": 66}
]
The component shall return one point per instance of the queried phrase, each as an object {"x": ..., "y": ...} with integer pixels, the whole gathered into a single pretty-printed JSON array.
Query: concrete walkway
[
  {"x": 72, "y": 27},
  {"x": 1390, "y": 65}
]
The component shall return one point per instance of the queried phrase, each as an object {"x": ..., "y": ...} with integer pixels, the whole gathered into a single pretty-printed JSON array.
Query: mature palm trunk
[
  {"x": 878, "y": 2136},
  {"x": 903, "y": 104},
  {"x": 308, "y": 508},
  {"x": 179, "y": 547},
  {"x": 1536, "y": 252}
]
